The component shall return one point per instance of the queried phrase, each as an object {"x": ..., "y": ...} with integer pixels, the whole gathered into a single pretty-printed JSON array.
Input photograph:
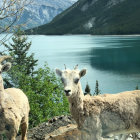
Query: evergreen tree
[
  {"x": 87, "y": 90},
  {"x": 19, "y": 49},
  {"x": 137, "y": 87},
  {"x": 97, "y": 91}
]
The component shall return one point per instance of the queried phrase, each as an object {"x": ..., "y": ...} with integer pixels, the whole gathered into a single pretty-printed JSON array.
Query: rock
[
  {"x": 69, "y": 132},
  {"x": 41, "y": 131}
]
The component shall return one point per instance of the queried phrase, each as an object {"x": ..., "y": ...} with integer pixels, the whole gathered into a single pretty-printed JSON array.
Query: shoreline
[{"x": 71, "y": 35}]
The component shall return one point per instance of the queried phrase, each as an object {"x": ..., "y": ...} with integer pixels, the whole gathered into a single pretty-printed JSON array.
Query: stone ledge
[{"x": 69, "y": 132}]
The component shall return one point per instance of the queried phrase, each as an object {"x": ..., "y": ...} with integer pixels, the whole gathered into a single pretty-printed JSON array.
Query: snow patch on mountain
[
  {"x": 114, "y": 2},
  {"x": 90, "y": 23},
  {"x": 87, "y": 5}
]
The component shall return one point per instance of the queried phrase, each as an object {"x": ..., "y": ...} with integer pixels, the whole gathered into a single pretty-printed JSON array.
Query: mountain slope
[
  {"x": 96, "y": 17},
  {"x": 43, "y": 11}
]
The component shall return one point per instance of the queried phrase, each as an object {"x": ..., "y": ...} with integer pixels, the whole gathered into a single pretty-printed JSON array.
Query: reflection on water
[
  {"x": 120, "y": 60},
  {"x": 121, "y": 56}
]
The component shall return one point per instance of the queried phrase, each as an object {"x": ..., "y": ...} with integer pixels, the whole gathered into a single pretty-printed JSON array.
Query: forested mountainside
[{"x": 95, "y": 17}]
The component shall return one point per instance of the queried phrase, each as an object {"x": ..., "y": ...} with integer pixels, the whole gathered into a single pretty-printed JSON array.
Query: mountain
[
  {"x": 43, "y": 11},
  {"x": 95, "y": 17}
]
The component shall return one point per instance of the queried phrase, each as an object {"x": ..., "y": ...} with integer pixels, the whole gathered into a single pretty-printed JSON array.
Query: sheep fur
[
  {"x": 101, "y": 116},
  {"x": 14, "y": 110}
]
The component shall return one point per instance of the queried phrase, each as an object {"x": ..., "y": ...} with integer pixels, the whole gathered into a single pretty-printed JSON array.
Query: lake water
[{"x": 112, "y": 60}]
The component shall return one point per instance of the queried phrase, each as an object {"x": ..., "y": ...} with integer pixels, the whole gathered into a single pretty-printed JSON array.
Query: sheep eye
[
  {"x": 62, "y": 79},
  {"x": 76, "y": 80}
]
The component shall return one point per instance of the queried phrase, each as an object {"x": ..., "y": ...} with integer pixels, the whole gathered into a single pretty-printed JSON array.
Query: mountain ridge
[
  {"x": 95, "y": 17},
  {"x": 39, "y": 12},
  {"x": 42, "y": 12}
]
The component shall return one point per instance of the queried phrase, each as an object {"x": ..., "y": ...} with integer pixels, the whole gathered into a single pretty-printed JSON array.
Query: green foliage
[
  {"x": 44, "y": 90},
  {"x": 97, "y": 90},
  {"x": 45, "y": 94}
]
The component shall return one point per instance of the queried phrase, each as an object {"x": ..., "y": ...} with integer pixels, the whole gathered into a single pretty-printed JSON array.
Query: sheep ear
[
  {"x": 6, "y": 67},
  {"x": 58, "y": 72},
  {"x": 82, "y": 72}
]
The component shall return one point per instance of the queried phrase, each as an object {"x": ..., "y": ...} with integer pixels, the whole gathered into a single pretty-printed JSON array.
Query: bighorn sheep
[
  {"x": 14, "y": 108},
  {"x": 103, "y": 115}
]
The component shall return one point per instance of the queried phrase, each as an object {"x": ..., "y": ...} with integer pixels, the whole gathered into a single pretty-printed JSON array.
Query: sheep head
[
  {"x": 70, "y": 79},
  {"x": 6, "y": 66}
]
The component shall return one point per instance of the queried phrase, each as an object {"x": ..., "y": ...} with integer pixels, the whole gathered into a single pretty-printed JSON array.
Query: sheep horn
[
  {"x": 2, "y": 58},
  {"x": 76, "y": 67},
  {"x": 65, "y": 67}
]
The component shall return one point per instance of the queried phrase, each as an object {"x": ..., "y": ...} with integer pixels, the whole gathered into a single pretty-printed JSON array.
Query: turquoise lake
[{"x": 112, "y": 60}]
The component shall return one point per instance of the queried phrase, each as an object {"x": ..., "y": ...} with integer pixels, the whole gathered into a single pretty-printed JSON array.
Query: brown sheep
[
  {"x": 14, "y": 108},
  {"x": 101, "y": 116}
]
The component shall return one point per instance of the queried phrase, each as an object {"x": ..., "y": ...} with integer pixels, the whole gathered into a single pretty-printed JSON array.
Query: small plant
[
  {"x": 87, "y": 90},
  {"x": 97, "y": 91},
  {"x": 137, "y": 87}
]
